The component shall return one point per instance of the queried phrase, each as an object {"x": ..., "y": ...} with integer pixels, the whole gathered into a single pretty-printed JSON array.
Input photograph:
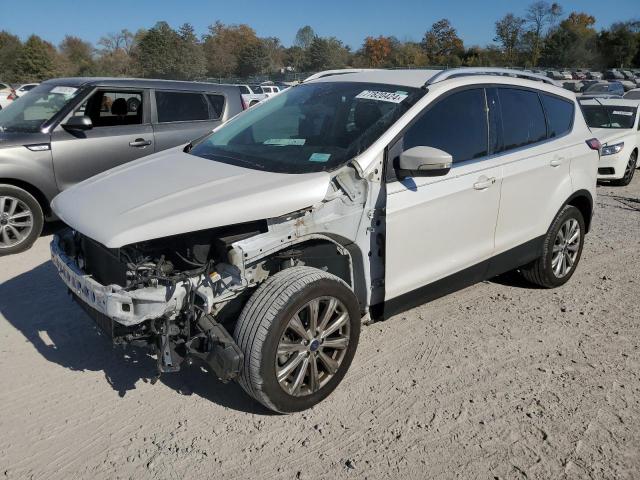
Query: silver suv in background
[
  {"x": 251, "y": 95},
  {"x": 69, "y": 129}
]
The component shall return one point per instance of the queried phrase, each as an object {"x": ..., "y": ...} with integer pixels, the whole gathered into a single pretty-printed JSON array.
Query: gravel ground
[{"x": 500, "y": 380}]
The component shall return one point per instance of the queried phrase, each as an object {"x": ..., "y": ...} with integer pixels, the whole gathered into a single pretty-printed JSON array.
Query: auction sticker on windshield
[
  {"x": 622, "y": 112},
  {"x": 319, "y": 157},
  {"x": 66, "y": 91},
  {"x": 393, "y": 97},
  {"x": 284, "y": 141}
]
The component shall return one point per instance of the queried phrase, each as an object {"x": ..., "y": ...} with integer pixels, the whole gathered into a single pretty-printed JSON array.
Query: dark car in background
[
  {"x": 604, "y": 90},
  {"x": 67, "y": 130}
]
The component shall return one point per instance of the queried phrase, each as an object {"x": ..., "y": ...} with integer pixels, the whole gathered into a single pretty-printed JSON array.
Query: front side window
[
  {"x": 609, "y": 116},
  {"x": 559, "y": 114},
  {"x": 29, "y": 112},
  {"x": 112, "y": 108},
  {"x": 457, "y": 125},
  {"x": 312, "y": 127},
  {"x": 523, "y": 120},
  {"x": 181, "y": 107}
]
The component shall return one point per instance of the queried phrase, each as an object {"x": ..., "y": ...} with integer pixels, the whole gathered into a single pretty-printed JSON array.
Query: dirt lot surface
[{"x": 500, "y": 380}]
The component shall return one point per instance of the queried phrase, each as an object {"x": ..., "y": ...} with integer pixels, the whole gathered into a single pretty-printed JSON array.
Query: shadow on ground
[{"x": 38, "y": 305}]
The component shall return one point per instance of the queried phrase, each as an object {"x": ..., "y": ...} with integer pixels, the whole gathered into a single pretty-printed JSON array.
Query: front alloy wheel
[
  {"x": 313, "y": 346},
  {"x": 21, "y": 219}
]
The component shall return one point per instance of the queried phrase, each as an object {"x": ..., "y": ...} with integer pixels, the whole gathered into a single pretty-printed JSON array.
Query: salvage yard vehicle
[
  {"x": 616, "y": 123},
  {"x": 66, "y": 130},
  {"x": 259, "y": 248}
]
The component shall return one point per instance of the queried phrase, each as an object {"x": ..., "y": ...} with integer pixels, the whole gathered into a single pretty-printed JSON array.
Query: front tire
[
  {"x": 561, "y": 251},
  {"x": 299, "y": 332},
  {"x": 21, "y": 220},
  {"x": 629, "y": 170}
]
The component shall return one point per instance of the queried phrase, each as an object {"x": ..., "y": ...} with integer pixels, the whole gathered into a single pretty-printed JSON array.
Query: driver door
[
  {"x": 121, "y": 132},
  {"x": 440, "y": 230}
]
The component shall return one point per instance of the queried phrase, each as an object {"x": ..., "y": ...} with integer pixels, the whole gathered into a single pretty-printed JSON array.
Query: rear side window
[
  {"x": 181, "y": 107},
  {"x": 523, "y": 121},
  {"x": 217, "y": 104},
  {"x": 244, "y": 90},
  {"x": 457, "y": 124},
  {"x": 559, "y": 115}
]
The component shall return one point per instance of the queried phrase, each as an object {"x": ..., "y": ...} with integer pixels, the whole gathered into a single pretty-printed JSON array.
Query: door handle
[
  {"x": 556, "y": 162},
  {"x": 483, "y": 183},
  {"x": 140, "y": 142}
]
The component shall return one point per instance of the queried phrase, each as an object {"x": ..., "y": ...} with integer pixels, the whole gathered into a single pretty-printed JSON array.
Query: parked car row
[{"x": 632, "y": 76}]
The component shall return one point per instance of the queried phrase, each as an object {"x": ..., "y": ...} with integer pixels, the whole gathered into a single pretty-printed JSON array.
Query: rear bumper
[{"x": 125, "y": 307}]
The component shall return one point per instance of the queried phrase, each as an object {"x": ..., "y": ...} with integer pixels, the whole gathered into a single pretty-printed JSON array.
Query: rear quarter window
[
  {"x": 181, "y": 107},
  {"x": 217, "y": 104},
  {"x": 559, "y": 115}
]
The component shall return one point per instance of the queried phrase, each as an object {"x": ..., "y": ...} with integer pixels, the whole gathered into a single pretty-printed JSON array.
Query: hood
[
  {"x": 607, "y": 136},
  {"x": 173, "y": 192}
]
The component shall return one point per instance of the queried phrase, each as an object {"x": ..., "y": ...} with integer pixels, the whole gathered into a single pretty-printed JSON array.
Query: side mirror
[
  {"x": 424, "y": 162},
  {"x": 78, "y": 123}
]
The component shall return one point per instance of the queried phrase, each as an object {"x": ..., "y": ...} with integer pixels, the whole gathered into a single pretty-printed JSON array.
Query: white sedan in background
[
  {"x": 632, "y": 94},
  {"x": 22, "y": 89},
  {"x": 616, "y": 123}
]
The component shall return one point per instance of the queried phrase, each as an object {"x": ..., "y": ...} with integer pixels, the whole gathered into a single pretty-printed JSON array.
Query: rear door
[
  {"x": 121, "y": 132},
  {"x": 535, "y": 149},
  {"x": 180, "y": 116},
  {"x": 438, "y": 226}
]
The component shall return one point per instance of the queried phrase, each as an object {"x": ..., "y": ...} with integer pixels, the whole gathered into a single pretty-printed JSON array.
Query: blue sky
[{"x": 349, "y": 20}]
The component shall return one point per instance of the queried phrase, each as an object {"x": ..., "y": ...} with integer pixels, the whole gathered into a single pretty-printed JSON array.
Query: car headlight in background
[{"x": 612, "y": 149}]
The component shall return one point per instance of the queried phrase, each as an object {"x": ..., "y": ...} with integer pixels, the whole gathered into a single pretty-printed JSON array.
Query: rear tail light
[
  {"x": 12, "y": 95},
  {"x": 594, "y": 144}
]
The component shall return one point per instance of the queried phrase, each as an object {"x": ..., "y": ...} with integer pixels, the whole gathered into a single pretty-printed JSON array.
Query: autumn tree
[
  {"x": 77, "y": 57},
  {"x": 441, "y": 42},
  {"x": 376, "y": 50},
  {"x": 222, "y": 47}
]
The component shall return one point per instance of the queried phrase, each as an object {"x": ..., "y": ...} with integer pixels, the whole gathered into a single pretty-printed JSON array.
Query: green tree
[
  {"x": 326, "y": 53},
  {"x": 509, "y": 30},
  {"x": 441, "y": 42},
  {"x": 191, "y": 61},
  {"x": 222, "y": 47},
  {"x": 77, "y": 56},
  {"x": 158, "y": 50},
  {"x": 10, "y": 46},
  {"x": 253, "y": 59},
  {"x": 539, "y": 17},
  {"x": 304, "y": 37},
  {"x": 36, "y": 60},
  {"x": 573, "y": 43},
  {"x": 620, "y": 44}
]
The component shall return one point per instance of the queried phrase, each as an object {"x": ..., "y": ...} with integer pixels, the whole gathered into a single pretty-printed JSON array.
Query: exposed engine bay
[{"x": 181, "y": 295}]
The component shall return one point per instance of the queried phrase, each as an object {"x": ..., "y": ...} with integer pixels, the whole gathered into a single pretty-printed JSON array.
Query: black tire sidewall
[
  {"x": 277, "y": 396},
  {"x": 38, "y": 218},
  {"x": 567, "y": 213}
]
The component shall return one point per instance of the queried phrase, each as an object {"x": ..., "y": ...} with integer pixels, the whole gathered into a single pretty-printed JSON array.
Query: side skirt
[{"x": 501, "y": 263}]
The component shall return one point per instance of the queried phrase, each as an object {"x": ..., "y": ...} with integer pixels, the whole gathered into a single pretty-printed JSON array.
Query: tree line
[{"x": 544, "y": 37}]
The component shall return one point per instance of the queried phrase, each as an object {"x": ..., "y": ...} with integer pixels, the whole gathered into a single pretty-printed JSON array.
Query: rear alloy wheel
[
  {"x": 629, "y": 170},
  {"x": 561, "y": 251},
  {"x": 21, "y": 220},
  {"x": 299, "y": 332}
]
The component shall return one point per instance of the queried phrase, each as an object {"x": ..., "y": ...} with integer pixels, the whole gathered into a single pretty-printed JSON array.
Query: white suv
[
  {"x": 259, "y": 248},
  {"x": 616, "y": 123}
]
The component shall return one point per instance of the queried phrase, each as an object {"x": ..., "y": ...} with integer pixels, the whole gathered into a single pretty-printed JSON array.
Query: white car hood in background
[
  {"x": 609, "y": 136},
  {"x": 174, "y": 192}
]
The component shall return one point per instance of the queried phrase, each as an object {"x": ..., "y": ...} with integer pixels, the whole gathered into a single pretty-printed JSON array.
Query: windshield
[
  {"x": 598, "y": 88},
  {"x": 309, "y": 128},
  {"x": 609, "y": 116},
  {"x": 29, "y": 112}
]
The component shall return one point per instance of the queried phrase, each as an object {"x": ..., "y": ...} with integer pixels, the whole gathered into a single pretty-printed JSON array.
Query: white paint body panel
[{"x": 173, "y": 192}]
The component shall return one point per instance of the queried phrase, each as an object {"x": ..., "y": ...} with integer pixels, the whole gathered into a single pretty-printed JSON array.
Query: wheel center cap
[{"x": 314, "y": 345}]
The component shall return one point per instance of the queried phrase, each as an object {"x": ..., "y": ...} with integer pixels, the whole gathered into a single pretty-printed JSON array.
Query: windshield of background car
[
  {"x": 29, "y": 112},
  {"x": 309, "y": 128},
  {"x": 609, "y": 116},
  {"x": 598, "y": 88}
]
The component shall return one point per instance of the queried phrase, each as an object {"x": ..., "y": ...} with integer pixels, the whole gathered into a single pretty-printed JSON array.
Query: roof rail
[
  {"x": 507, "y": 72},
  {"x": 328, "y": 73}
]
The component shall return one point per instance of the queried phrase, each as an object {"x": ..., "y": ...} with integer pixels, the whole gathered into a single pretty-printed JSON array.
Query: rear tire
[
  {"x": 561, "y": 251},
  {"x": 630, "y": 169},
  {"x": 21, "y": 220},
  {"x": 289, "y": 363}
]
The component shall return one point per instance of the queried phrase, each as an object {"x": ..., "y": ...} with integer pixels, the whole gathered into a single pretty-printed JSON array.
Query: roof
[
  {"x": 421, "y": 77},
  {"x": 137, "y": 83}
]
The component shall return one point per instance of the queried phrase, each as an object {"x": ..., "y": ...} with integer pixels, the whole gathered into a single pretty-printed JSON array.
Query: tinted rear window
[
  {"x": 523, "y": 121},
  {"x": 457, "y": 124},
  {"x": 181, "y": 107},
  {"x": 559, "y": 115},
  {"x": 244, "y": 90},
  {"x": 217, "y": 104}
]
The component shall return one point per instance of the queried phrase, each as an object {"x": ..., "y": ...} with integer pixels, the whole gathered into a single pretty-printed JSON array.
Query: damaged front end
[{"x": 161, "y": 293}]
